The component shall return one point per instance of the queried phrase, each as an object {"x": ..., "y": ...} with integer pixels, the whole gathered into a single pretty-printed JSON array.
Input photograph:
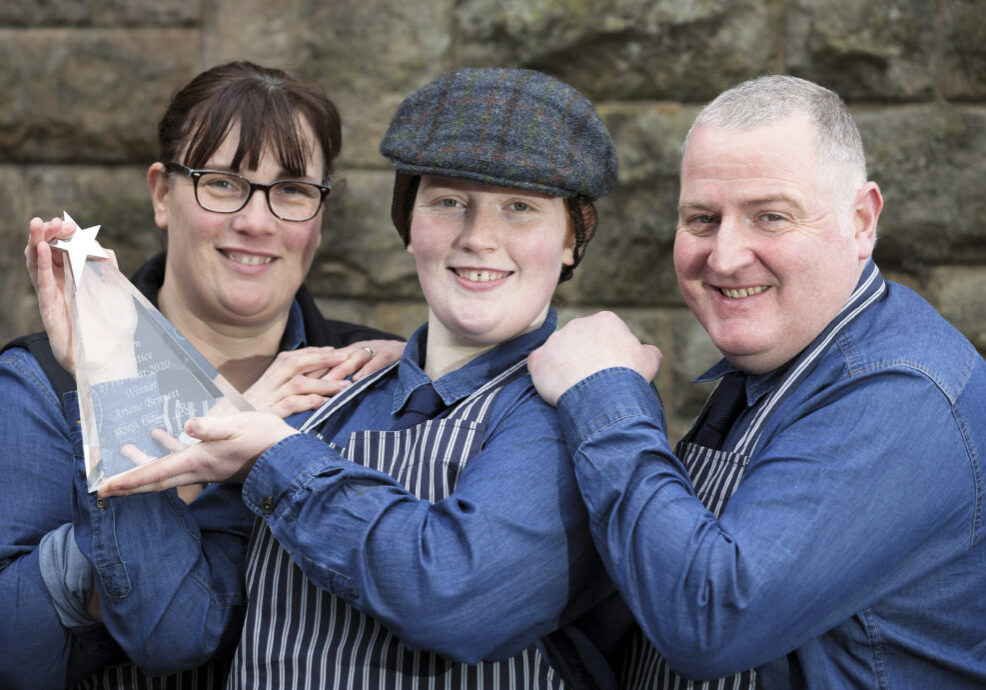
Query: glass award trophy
[{"x": 134, "y": 372}]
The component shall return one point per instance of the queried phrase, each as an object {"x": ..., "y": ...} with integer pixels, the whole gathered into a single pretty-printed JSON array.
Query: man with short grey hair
[{"x": 822, "y": 522}]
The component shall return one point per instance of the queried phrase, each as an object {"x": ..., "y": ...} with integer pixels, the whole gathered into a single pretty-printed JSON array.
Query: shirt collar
[
  {"x": 294, "y": 330},
  {"x": 460, "y": 383}
]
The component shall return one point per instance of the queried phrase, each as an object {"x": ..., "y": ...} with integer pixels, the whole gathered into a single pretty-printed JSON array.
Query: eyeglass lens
[{"x": 226, "y": 193}]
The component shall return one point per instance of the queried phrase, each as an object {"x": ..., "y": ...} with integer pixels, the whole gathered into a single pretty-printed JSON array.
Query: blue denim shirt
[
  {"x": 46, "y": 638},
  {"x": 514, "y": 529},
  {"x": 851, "y": 555}
]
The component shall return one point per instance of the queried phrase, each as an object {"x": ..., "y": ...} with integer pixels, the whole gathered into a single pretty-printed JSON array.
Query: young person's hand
[{"x": 229, "y": 447}]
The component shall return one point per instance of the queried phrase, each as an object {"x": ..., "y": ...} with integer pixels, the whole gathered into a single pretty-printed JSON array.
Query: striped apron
[
  {"x": 299, "y": 636},
  {"x": 126, "y": 676},
  {"x": 716, "y": 474}
]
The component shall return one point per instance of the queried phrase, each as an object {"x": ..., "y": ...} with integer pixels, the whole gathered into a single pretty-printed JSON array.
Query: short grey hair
[{"x": 767, "y": 99}]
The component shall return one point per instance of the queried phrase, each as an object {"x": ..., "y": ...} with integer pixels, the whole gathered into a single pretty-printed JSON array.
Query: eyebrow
[
  {"x": 758, "y": 201},
  {"x": 767, "y": 200},
  {"x": 282, "y": 173}
]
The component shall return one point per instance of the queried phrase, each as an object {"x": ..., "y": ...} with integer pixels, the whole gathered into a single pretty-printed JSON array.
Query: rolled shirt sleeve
[{"x": 36, "y": 509}]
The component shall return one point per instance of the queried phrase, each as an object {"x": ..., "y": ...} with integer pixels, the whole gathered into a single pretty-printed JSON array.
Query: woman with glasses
[{"x": 246, "y": 155}]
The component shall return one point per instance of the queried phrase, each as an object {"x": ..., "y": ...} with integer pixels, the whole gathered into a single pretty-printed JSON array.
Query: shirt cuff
[
  {"x": 605, "y": 398},
  {"x": 284, "y": 468},
  {"x": 68, "y": 575}
]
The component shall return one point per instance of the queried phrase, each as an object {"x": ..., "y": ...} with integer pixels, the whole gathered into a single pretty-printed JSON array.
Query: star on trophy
[{"x": 135, "y": 373}]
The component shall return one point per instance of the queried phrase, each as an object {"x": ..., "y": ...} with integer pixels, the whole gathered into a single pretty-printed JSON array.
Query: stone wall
[{"x": 82, "y": 84}]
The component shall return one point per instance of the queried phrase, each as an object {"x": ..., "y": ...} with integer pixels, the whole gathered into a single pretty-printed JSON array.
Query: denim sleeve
[
  {"x": 860, "y": 486},
  {"x": 170, "y": 575},
  {"x": 35, "y": 501},
  {"x": 68, "y": 575},
  {"x": 439, "y": 574}
]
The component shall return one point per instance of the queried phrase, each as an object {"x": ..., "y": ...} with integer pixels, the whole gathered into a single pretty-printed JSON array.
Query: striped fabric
[
  {"x": 298, "y": 636},
  {"x": 717, "y": 474}
]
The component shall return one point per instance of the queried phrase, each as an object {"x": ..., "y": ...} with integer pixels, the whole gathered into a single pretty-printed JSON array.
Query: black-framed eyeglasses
[{"x": 226, "y": 192}]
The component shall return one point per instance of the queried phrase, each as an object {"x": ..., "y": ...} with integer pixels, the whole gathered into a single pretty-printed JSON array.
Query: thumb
[
  {"x": 651, "y": 358},
  {"x": 209, "y": 428}
]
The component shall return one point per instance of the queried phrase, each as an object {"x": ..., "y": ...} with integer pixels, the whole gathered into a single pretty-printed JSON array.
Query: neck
[
  {"x": 442, "y": 357},
  {"x": 447, "y": 352},
  {"x": 241, "y": 353}
]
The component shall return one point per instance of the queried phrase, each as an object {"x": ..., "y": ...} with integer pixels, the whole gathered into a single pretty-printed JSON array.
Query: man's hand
[
  {"x": 586, "y": 346},
  {"x": 230, "y": 447}
]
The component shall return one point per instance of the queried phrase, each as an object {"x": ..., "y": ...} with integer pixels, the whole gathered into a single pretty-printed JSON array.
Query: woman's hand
[
  {"x": 304, "y": 379},
  {"x": 379, "y": 353},
  {"x": 230, "y": 447},
  {"x": 48, "y": 277}
]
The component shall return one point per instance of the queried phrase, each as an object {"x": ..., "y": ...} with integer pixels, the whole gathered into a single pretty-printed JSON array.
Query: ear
[
  {"x": 568, "y": 254},
  {"x": 865, "y": 213},
  {"x": 159, "y": 186},
  {"x": 408, "y": 245}
]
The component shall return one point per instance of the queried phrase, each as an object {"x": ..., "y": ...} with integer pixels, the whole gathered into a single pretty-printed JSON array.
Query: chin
[{"x": 248, "y": 309}]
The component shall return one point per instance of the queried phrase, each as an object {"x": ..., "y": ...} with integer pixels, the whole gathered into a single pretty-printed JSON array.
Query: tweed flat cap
[{"x": 505, "y": 127}]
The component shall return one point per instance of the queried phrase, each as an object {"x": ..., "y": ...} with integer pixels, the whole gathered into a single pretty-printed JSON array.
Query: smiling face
[
  {"x": 235, "y": 269},
  {"x": 488, "y": 259},
  {"x": 769, "y": 246}
]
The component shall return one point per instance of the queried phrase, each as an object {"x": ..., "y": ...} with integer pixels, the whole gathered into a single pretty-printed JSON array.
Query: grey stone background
[{"x": 83, "y": 82}]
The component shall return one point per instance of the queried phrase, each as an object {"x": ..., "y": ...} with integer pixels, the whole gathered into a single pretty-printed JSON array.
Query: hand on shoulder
[{"x": 584, "y": 347}]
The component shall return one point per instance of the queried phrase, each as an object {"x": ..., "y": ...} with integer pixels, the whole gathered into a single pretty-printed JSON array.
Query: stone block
[
  {"x": 114, "y": 198},
  {"x": 928, "y": 161},
  {"x": 965, "y": 50},
  {"x": 630, "y": 260},
  {"x": 625, "y": 49},
  {"x": 84, "y": 96},
  {"x": 863, "y": 50},
  {"x": 362, "y": 256},
  {"x": 957, "y": 292},
  {"x": 402, "y": 318},
  {"x": 44, "y": 12},
  {"x": 19, "y": 314},
  {"x": 367, "y": 54},
  {"x": 147, "y": 12}
]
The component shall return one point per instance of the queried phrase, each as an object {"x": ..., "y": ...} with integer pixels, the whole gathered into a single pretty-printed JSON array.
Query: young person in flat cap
[{"x": 427, "y": 529}]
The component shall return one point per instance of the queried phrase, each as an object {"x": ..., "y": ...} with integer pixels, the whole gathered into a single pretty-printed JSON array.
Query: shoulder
[
  {"x": 517, "y": 403},
  {"x": 904, "y": 334},
  {"x": 20, "y": 369},
  {"x": 31, "y": 400}
]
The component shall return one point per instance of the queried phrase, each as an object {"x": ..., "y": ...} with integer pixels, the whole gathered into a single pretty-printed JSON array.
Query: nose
[
  {"x": 255, "y": 218},
  {"x": 480, "y": 229},
  {"x": 731, "y": 248}
]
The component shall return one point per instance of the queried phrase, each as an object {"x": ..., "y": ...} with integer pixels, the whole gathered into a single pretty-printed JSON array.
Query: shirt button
[
  {"x": 101, "y": 504},
  {"x": 268, "y": 505}
]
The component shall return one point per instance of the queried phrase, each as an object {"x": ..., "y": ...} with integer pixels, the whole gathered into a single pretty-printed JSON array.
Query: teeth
[
  {"x": 743, "y": 292},
  {"x": 480, "y": 276},
  {"x": 249, "y": 259}
]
